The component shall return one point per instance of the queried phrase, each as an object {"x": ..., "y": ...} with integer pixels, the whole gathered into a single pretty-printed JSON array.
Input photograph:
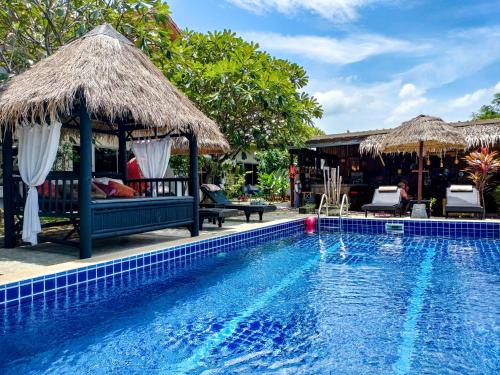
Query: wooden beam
[
  {"x": 85, "y": 181},
  {"x": 193, "y": 184},
  {"x": 8, "y": 193}
]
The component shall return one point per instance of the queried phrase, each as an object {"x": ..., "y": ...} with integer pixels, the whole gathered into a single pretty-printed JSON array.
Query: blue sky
[{"x": 372, "y": 63}]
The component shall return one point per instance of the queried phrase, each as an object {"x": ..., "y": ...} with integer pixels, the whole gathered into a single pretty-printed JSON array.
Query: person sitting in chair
[{"x": 405, "y": 198}]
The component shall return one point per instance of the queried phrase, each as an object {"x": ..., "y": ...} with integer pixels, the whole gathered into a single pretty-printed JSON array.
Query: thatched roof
[
  {"x": 436, "y": 135},
  {"x": 480, "y": 133},
  {"x": 484, "y": 133},
  {"x": 119, "y": 83}
]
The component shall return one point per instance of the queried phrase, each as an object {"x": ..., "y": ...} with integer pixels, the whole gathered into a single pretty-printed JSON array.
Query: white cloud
[
  {"x": 476, "y": 98},
  {"x": 339, "y": 101},
  {"x": 336, "y": 10},
  {"x": 333, "y": 50},
  {"x": 356, "y": 106},
  {"x": 408, "y": 90}
]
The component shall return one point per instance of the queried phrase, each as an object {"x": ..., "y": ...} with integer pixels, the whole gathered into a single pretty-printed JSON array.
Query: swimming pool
[{"x": 350, "y": 303}]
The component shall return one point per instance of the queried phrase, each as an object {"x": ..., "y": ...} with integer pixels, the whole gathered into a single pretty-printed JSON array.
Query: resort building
[{"x": 362, "y": 171}]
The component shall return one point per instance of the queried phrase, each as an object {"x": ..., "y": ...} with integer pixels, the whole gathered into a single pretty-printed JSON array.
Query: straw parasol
[
  {"x": 422, "y": 134},
  {"x": 119, "y": 83}
]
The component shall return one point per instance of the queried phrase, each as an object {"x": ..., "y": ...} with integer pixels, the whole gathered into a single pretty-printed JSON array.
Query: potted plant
[
  {"x": 432, "y": 203},
  {"x": 481, "y": 167},
  {"x": 308, "y": 208}
]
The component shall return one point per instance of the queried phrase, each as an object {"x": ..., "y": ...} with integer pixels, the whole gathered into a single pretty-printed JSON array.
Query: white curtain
[
  {"x": 153, "y": 155},
  {"x": 37, "y": 151}
]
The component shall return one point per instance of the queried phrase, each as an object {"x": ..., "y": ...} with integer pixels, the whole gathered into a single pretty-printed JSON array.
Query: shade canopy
[
  {"x": 119, "y": 83},
  {"x": 436, "y": 135},
  {"x": 422, "y": 134},
  {"x": 480, "y": 133}
]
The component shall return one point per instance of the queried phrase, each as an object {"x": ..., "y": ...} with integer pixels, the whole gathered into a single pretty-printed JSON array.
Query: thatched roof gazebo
[
  {"x": 422, "y": 134},
  {"x": 101, "y": 85}
]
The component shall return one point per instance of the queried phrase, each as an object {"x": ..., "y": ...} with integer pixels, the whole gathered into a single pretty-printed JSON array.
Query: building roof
[{"x": 476, "y": 131}]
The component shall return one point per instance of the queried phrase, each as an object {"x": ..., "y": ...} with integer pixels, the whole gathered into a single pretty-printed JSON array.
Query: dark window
[{"x": 106, "y": 160}]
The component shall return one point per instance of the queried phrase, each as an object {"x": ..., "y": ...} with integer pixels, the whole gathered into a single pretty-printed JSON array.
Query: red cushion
[
  {"x": 122, "y": 190},
  {"x": 43, "y": 190}
]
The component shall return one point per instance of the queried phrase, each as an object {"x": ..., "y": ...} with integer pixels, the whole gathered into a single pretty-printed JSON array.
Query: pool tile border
[
  {"x": 27, "y": 290},
  {"x": 431, "y": 228}
]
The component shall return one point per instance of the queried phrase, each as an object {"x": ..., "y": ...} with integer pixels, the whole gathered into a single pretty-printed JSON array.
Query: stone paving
[{"x": 27, "y": 261}]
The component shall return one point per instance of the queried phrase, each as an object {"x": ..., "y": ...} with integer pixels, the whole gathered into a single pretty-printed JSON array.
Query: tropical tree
[
  {"x": 257, "y": 100},
  {"x": 481, "y": 167},
  {"x": 33, "y": 29},
  {"x": 489, "y": 111}
]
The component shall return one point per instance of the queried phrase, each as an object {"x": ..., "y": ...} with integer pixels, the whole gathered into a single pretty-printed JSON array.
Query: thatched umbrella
[
  {"x": 119, "y": 83},
  {"x": 422, "y": 134}
]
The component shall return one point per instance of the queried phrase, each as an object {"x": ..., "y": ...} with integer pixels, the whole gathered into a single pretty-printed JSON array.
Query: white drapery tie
[
  {"x": 38, "y": 146},
  {"x": 153, "y": 155}
]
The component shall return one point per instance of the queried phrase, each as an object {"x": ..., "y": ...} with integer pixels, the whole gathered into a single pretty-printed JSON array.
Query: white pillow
[
  {"x": 461, "y": 188},
  {"x": 105, "y": 180},
  {"x": 387, "y": 189}
]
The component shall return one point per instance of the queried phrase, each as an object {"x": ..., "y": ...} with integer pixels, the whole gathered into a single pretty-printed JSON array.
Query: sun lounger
[
  {"x": 218, "y": 199},
  {"x": 216, "y": 214},
  {"x": 463, "y": 199},
  {"x": 385, "y": 198}
]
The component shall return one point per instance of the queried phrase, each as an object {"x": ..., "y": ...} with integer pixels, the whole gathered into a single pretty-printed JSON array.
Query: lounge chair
[
  {"x": 219, "y": 199},
  {"x": 463, "y": 199},
  {"x": 216, "y": 214},
  {"x": 385, "y": 198}
]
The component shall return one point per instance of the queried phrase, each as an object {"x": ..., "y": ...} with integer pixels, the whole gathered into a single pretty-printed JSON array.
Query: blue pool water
[{"x": 350, "y": 304}]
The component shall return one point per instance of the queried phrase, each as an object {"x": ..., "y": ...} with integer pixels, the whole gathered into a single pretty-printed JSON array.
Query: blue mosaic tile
[
  {"x": 50, "y": 284},
  {"x": 12, "y": 293},
  {"x": 60, "y": 281}
]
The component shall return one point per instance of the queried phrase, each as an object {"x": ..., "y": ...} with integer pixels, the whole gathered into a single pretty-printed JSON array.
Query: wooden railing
[
  {"x": 58, "y": 195},
  {"x": 164, "y": 187}
]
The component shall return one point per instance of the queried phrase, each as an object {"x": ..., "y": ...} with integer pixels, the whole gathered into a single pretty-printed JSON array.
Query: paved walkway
[{"x": 27, "y": 261}]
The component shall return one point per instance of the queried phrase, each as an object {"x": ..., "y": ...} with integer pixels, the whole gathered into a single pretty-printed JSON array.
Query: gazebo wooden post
[
  {"x": 8, "y": 202},
  {"x": 85, "y": 181},
  {"x": 193, "y": 183},
  {"x": 420, "y": 170},
  {"x": 122, "y": 151}
]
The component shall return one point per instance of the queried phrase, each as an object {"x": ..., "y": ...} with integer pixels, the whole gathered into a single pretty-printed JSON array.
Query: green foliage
[
  {"x": 180, "y": 165},
  {"x": 272, "y": 160},
  {"x": 489, "y": 111},
  {"x": 256, "y": 99},
  {"x": 234, "y": 179},
  {"x": 33, "y": 29},
  {"x": 273, "y": 184},
  {"x": 496, "y": 196}
]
